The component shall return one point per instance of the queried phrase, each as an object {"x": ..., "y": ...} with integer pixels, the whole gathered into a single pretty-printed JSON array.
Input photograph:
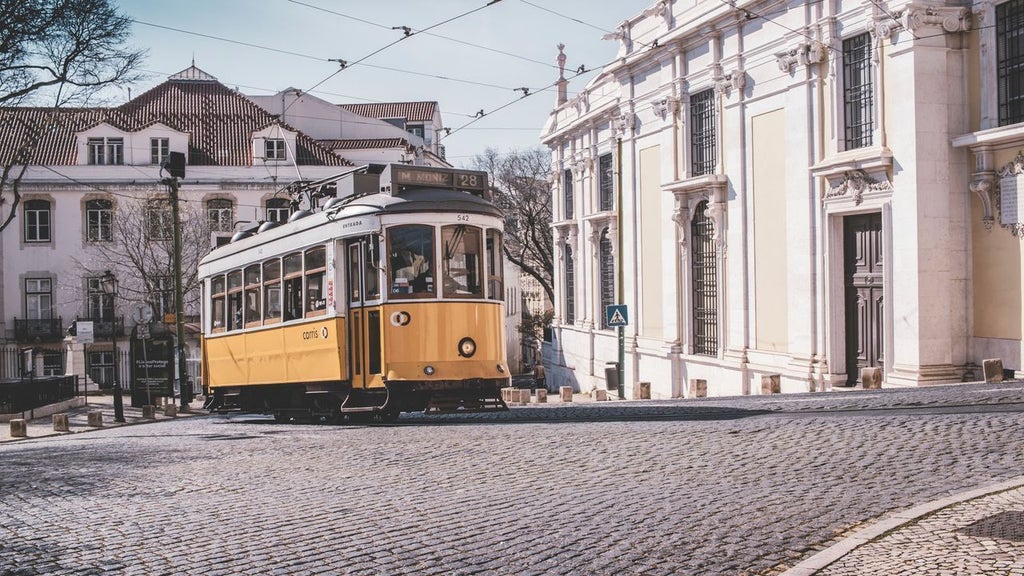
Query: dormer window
[
  {"x": 275, "y": 149},
  {"x": 159, "y": 148},
  {"x": 104, "y": 151}
]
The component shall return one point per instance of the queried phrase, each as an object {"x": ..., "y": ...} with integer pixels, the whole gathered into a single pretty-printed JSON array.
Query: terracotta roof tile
[
  {"x": 219, "y": 121},
  {"x": 411, "y": 111},
  {"x": 362, "y": 144}
]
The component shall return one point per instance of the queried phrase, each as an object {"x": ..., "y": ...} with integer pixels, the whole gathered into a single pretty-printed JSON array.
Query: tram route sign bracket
[{"x": 616, "y": 315}]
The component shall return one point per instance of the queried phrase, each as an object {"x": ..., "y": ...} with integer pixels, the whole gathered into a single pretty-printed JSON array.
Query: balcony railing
[
  {"x": 104, "y": 329},
  {"x": 38, "y": 330}
]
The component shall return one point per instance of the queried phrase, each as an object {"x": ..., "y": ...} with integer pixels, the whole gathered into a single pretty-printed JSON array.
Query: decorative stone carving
[
  {"x": 580, "y": 165},
  {"x": 882, "y": 27},
  {"x": 951, "y": 19},
  {"x": 735, "y": 80},
  {"x": 856, "y": 183},
  {"x": 623, "y": 123},
  {"x": 716, "y": 213},
  {"x": 805, "y": 54},
  {"x": 661, "y": 9},
  {"x": 664, "y": 107},
  {"x": 984, "y": 186}
]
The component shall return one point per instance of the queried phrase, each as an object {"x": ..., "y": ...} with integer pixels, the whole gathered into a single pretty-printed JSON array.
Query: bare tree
[
  {"x": 57, "y": 53},
  {"x": 521, "y": 187},
  {"x": 141, "y": 250}
]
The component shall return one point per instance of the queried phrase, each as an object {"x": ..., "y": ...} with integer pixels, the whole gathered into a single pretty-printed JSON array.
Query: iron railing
[
  {"x": 38, "y": 330},
  {"x": 30, "y": 393}
]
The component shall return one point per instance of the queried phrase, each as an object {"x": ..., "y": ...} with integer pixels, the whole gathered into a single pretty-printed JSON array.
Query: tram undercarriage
[{"x": 340, "y": 403}]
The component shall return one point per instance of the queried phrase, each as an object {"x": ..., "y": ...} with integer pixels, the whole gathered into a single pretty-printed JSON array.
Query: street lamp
[{"x": 108, "y": 282}]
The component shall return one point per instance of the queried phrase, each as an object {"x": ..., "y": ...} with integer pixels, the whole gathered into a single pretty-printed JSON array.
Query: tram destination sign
[{"x": 416, "y": 176}]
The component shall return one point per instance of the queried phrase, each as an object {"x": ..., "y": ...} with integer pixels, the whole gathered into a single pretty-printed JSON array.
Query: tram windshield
[
  {"x": 461, "y": 261},
  {"x": 410, "y": 270}
]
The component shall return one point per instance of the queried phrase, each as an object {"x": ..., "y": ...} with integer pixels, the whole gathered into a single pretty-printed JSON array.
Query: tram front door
[{"x": 365, "y": 335}]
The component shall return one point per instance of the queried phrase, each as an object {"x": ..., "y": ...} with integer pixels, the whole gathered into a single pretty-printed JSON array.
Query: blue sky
[{"x": 474, "y": 62}]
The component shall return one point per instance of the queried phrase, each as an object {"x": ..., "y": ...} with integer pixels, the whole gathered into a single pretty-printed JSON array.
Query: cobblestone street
[{"x": 714, "y": 486}]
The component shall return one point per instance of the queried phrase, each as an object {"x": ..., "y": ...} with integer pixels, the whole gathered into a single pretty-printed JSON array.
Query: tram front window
[
  {"x": 461, "y": 262},
  {"x": 410, "y": 250}
]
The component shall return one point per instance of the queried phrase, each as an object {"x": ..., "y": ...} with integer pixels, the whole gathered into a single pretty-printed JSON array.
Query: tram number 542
[{"x": 462, "y": 217}]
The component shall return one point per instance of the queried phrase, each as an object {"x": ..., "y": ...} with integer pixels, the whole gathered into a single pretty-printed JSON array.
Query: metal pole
[
  {"x": 179, "y": 298},
  {"x": 622, "y": 279},
  {"x": 118, "y": 400}
]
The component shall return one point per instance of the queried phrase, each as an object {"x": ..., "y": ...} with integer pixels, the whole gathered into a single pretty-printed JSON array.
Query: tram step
[{"x": 449, "y": 404}]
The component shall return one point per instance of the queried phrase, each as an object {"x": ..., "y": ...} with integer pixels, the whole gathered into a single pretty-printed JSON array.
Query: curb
[{"x": 891, "y": 523}]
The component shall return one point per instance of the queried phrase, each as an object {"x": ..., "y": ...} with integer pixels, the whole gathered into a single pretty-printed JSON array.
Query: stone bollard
[
  {"x": 60, "y": 423},
  {"x": 95, "y": 419},
  {"x": 993, "y": 369},
  {"x": 522, "y": 396},
  {"x": 565, "y": 393},
  {"x": 149, "y": 412},
  {"x": 771, "y": 384},
  {"x": 506, "y": 394},
  {"x": 542, "y": 395},
  {"x": 871, "y": 377},
  {"x": 643, "y": 391},
  {"x": 171, "y": 410},
  {"x": 600, "y": 394},
  {"x": 19, "y": 428},
  {"x": 698, "y": 388}
]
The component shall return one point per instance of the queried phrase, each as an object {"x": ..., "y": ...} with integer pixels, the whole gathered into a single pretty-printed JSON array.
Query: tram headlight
[
  {"x": 428, "y": 370},
  {"x": 467, "y": 347}
]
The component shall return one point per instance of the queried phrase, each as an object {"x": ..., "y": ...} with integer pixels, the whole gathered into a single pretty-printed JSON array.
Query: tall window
[
  {"x": 220, "y": 214},
  {"x": 161, "y": 295},
  {"x": 37, "y": 221},
  {"x": 567, "y": 193},
  {"x": 159, "y": 225},
  {"x": 159, "y": 148},
  {"x": 275, "y": 149},
  {"x": 606, "y": 271},
  {"x": 106, "y": 150},
  {"x": 411, "y": 267},
  {"x": 570, "y": 287},
  {"x": 461, "y": 262},
  {"x": 316, "y": 281},
  {"x": 38, "y": 298},
  {"x": 99, "y": 220},
  {"x": 1010, "y": 61},
  {"x": 278, "y": 210},
  {"x": 702, "y": 133},
  {"x": 99, "y": 304},
  {"x": 704, "y": 270},
  {"x": 858, "y": 91},
  {"x": 606, "y": 182}
]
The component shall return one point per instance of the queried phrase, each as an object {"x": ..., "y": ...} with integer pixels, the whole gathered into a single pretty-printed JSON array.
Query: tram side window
[
  {"x": 316, "y": 275},
  {"x": 461, "y": 261},
  {"x": 354, "y": 293},
  {"x": 235, "y": 300},
  {"x": 410, "y": 250},
  {"x": 371, "y": 267},
  {"x": 272, "y": 291},
  {"x": 218, "y": 304},
  {"x": 293, "y": 286},
  {"x": 251, "y": 315},
  {"x": 495, "y": 270}
]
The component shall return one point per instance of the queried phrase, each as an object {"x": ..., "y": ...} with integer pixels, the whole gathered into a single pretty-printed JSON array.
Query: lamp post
[{"x": 108, "y": 282}]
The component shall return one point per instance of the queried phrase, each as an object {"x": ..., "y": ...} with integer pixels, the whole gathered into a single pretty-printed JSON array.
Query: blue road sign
[{"x": 616, "y": 315}]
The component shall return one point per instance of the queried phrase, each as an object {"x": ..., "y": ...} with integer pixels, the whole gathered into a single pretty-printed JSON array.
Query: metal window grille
[
  {"x": 37, "y": 221},
  {"x": 858, "y": 91},
  {"x": 606, "y": 182},
  {"x": 607, "y": 275},
  {"x": 702, "y": 133},
  {"x": 1010, "y": 61},
  {"x": 570, "y": 287},
  {"x": 567, "y": 193},
  {"x": 99, "y": 215},
  {"x": 704, "y": 271}
]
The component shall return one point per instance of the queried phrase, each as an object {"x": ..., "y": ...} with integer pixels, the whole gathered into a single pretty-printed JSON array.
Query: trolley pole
[{"x": 179, "y": 298}]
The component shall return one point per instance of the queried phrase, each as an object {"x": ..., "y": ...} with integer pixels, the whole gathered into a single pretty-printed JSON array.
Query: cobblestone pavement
[{"x": 746, "y": 485}]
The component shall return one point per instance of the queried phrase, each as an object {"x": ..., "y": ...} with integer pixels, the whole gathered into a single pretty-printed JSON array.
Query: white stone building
[{"x": 802, "y": 189}]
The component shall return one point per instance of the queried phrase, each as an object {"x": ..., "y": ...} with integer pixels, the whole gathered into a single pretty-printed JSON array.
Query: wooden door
[{"x": 864, "y": 262}]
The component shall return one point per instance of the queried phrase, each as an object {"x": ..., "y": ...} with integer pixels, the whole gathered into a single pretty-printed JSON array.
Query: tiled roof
[
  {"x": 364, "y": 143},
  {"x": 411, "y": 111},
  {"x": 219, "y": 121}
]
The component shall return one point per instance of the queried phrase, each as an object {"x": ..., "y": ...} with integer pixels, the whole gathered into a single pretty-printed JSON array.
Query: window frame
[
  {"x": 275, "y": 149},
  {"x": 606, "y": 182},
  {"x": 36, "y": 231},
  {"x": 220, "y": 214},
  {"x": 38, "y": 290},
  {"x": 159, "y": 150},
  {"x": 703, "y": 133},
  {"x": 1009, "y": 67},
  {"x": 99, "y": 220},
  {"x": 858, "y": 92},
  {"x": 704, "y": 284}
]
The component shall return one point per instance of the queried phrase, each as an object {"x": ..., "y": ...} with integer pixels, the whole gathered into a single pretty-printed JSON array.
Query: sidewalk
[
  {"x": 78, "y": 417},
  {"x": 976, "y": 532}
]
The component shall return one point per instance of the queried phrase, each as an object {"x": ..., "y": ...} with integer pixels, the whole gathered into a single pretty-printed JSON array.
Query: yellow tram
[{"x": 373, "y": 305}]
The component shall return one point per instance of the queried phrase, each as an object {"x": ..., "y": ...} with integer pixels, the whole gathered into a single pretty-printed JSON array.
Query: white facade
[{"x": 825, "y": 228}]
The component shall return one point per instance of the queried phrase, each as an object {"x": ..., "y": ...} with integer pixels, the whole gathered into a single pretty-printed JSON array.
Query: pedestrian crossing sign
[{"x": 616, "y": 315}]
